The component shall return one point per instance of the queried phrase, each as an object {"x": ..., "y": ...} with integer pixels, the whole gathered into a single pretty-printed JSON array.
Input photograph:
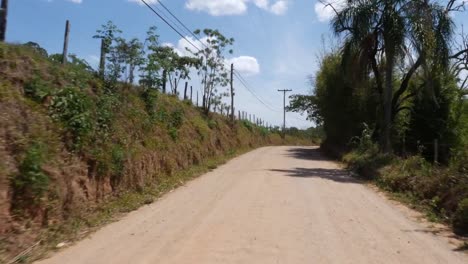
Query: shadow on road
[
  {"x": 314, "y": 154},
  {"x": 328, "y": 174},
  {"x": 306, "y": 154}
]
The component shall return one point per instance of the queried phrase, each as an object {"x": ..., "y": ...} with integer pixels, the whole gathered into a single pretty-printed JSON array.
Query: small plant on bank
[{"x": 31, "y": 183}]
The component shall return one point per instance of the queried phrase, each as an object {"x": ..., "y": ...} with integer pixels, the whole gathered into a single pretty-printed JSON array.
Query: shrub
[
  {"x": 37, "y": 89},
  {"x": 73, "y": 108},
  {"x": 460, "y": 218},
  {"x": 173, "y": 133},
  {"x": 150, "y": 97},
  {"x": 31, "y": 183},
  {"x": 106, "y": 107},
  {"x": 212, "y": 124},
  {"x": 177, "y": 118},
  {"x": 247, "y": 125}
]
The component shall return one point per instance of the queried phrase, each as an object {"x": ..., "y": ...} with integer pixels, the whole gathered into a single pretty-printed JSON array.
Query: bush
[
  {"x": 150, "y": 97},
  {"x": 31, "y": 183},
  {"x": 177, "y": 118},
  {"x": 73, "y": 108},
  {"x": 460, "y": 218},
  {"x": 212, "y": 124},
  {"x": 247, "y": 125},
  {"x": 37, "y": 89}
]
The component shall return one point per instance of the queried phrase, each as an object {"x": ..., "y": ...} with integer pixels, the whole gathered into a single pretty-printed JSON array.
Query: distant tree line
[{"x": 160, "y": 67}]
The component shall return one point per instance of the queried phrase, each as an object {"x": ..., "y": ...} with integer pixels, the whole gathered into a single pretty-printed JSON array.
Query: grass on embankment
[
  {"x": 76, "y": 150},
  {"x": 441, "y": 192}
]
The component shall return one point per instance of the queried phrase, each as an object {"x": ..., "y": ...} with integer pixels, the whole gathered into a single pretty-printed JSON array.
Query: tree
[
  {"x": 382, "y": 32},
  {"x": 133, "y": 57},
  {"x": 109, "y": 33},
  {"x": 212, "y": 70},
  {"x": 150, "y": 76},
  {"x": 175, "y": 67}
]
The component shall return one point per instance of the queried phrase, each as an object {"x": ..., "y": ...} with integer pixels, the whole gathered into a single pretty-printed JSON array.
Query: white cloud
[
  {"x": 218, "y": 7},
  {"x": 325, "y": 13},
  {"x": 186, "y": 48},
  {"x": 279, "y": 8},
  {"x": 235, "y": 7},
  {"x": 151, "y": 2},
  {"x": 76, "y": 1},
  {"x": 245, "y": 65}
]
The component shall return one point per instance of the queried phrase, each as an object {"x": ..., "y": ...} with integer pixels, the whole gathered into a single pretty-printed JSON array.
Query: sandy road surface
[{"x": 272, "y": 205}]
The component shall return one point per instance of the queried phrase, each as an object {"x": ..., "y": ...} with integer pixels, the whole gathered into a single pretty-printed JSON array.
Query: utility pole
[
  {"x": 232, "y": 92},
  {"x": 65, "y": 43},
  {"x": 3, "y": 19},
  {"x": 284, "y": 109}
]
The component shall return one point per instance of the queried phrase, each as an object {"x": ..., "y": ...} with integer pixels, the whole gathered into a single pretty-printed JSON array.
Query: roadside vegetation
[
  {"x": 392, "y": 100},
  {"x": 80, "y": 146}
]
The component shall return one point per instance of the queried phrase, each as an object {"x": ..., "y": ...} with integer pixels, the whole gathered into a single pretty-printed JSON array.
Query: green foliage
[
  {"x": 73, "y": 109},
  {"x": 150, "y": 97},
  {"x": 247, "y": 125},
  {"x": 37, "y": 89},
  {"x": 36, "y": 48},
  {"x": 173, "y": 133},
  {"x": 176, "y": 119},
  {"x": 118, "y": 155},
  {"x": 212, "y": 66},
  {"x": 106, "y": 106},
  {"x": 213, "y": 124},
  {"x": 31, "y": 183},
  {"x": 364, "y": 143},
  {"x": 150, "y": 76},
  {"x": 460, "y": 218}
]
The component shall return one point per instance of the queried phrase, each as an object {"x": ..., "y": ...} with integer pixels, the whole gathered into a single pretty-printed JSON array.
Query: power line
[
  {"x": 247, "y": 86},
  {"x": 242, "y": 81},
  {"x": 181, "y": 23},
  {"x": 169, "y": 24}
]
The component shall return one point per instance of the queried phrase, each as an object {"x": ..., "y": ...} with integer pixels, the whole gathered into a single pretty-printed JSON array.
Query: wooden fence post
[
  {"x": 3, "y": 19},
  {"x": 185, "y": 91},
  {"x": 191, "y": 94},
  {"x": 436, "y": 151},
  {"x": 102, "y": 60},
  {"x": 65, "y": 42}
]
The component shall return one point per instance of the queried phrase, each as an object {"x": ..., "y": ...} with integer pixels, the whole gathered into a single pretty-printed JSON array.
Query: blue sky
[{"x": 277, "y": 41}]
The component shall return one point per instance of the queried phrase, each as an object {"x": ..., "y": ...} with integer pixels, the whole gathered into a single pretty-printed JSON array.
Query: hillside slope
[{"x": 69, "y": 142}]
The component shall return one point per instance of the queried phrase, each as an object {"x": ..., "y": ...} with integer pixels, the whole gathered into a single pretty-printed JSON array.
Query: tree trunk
[
  {"x": 164, "y": 80},
  {"x": 387, "y": 104},
  {"x": 131, "y": 76}
]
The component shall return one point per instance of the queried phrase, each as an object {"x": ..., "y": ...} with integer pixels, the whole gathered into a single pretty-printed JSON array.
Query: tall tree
[
  {"x": 150, "y": 76},
  {"x": 175, "y": 67},
  {"x": 382, "y": 32},
  {"x": 212, "y": 69},
  {"x": 108, "y": 34}
]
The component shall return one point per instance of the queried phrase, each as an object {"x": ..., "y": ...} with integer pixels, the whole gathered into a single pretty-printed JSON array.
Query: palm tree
[{"x": 379, "y": 32}]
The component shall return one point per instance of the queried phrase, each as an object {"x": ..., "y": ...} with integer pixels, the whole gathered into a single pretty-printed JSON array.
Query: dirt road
[{"x": 272, "y": 205}]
